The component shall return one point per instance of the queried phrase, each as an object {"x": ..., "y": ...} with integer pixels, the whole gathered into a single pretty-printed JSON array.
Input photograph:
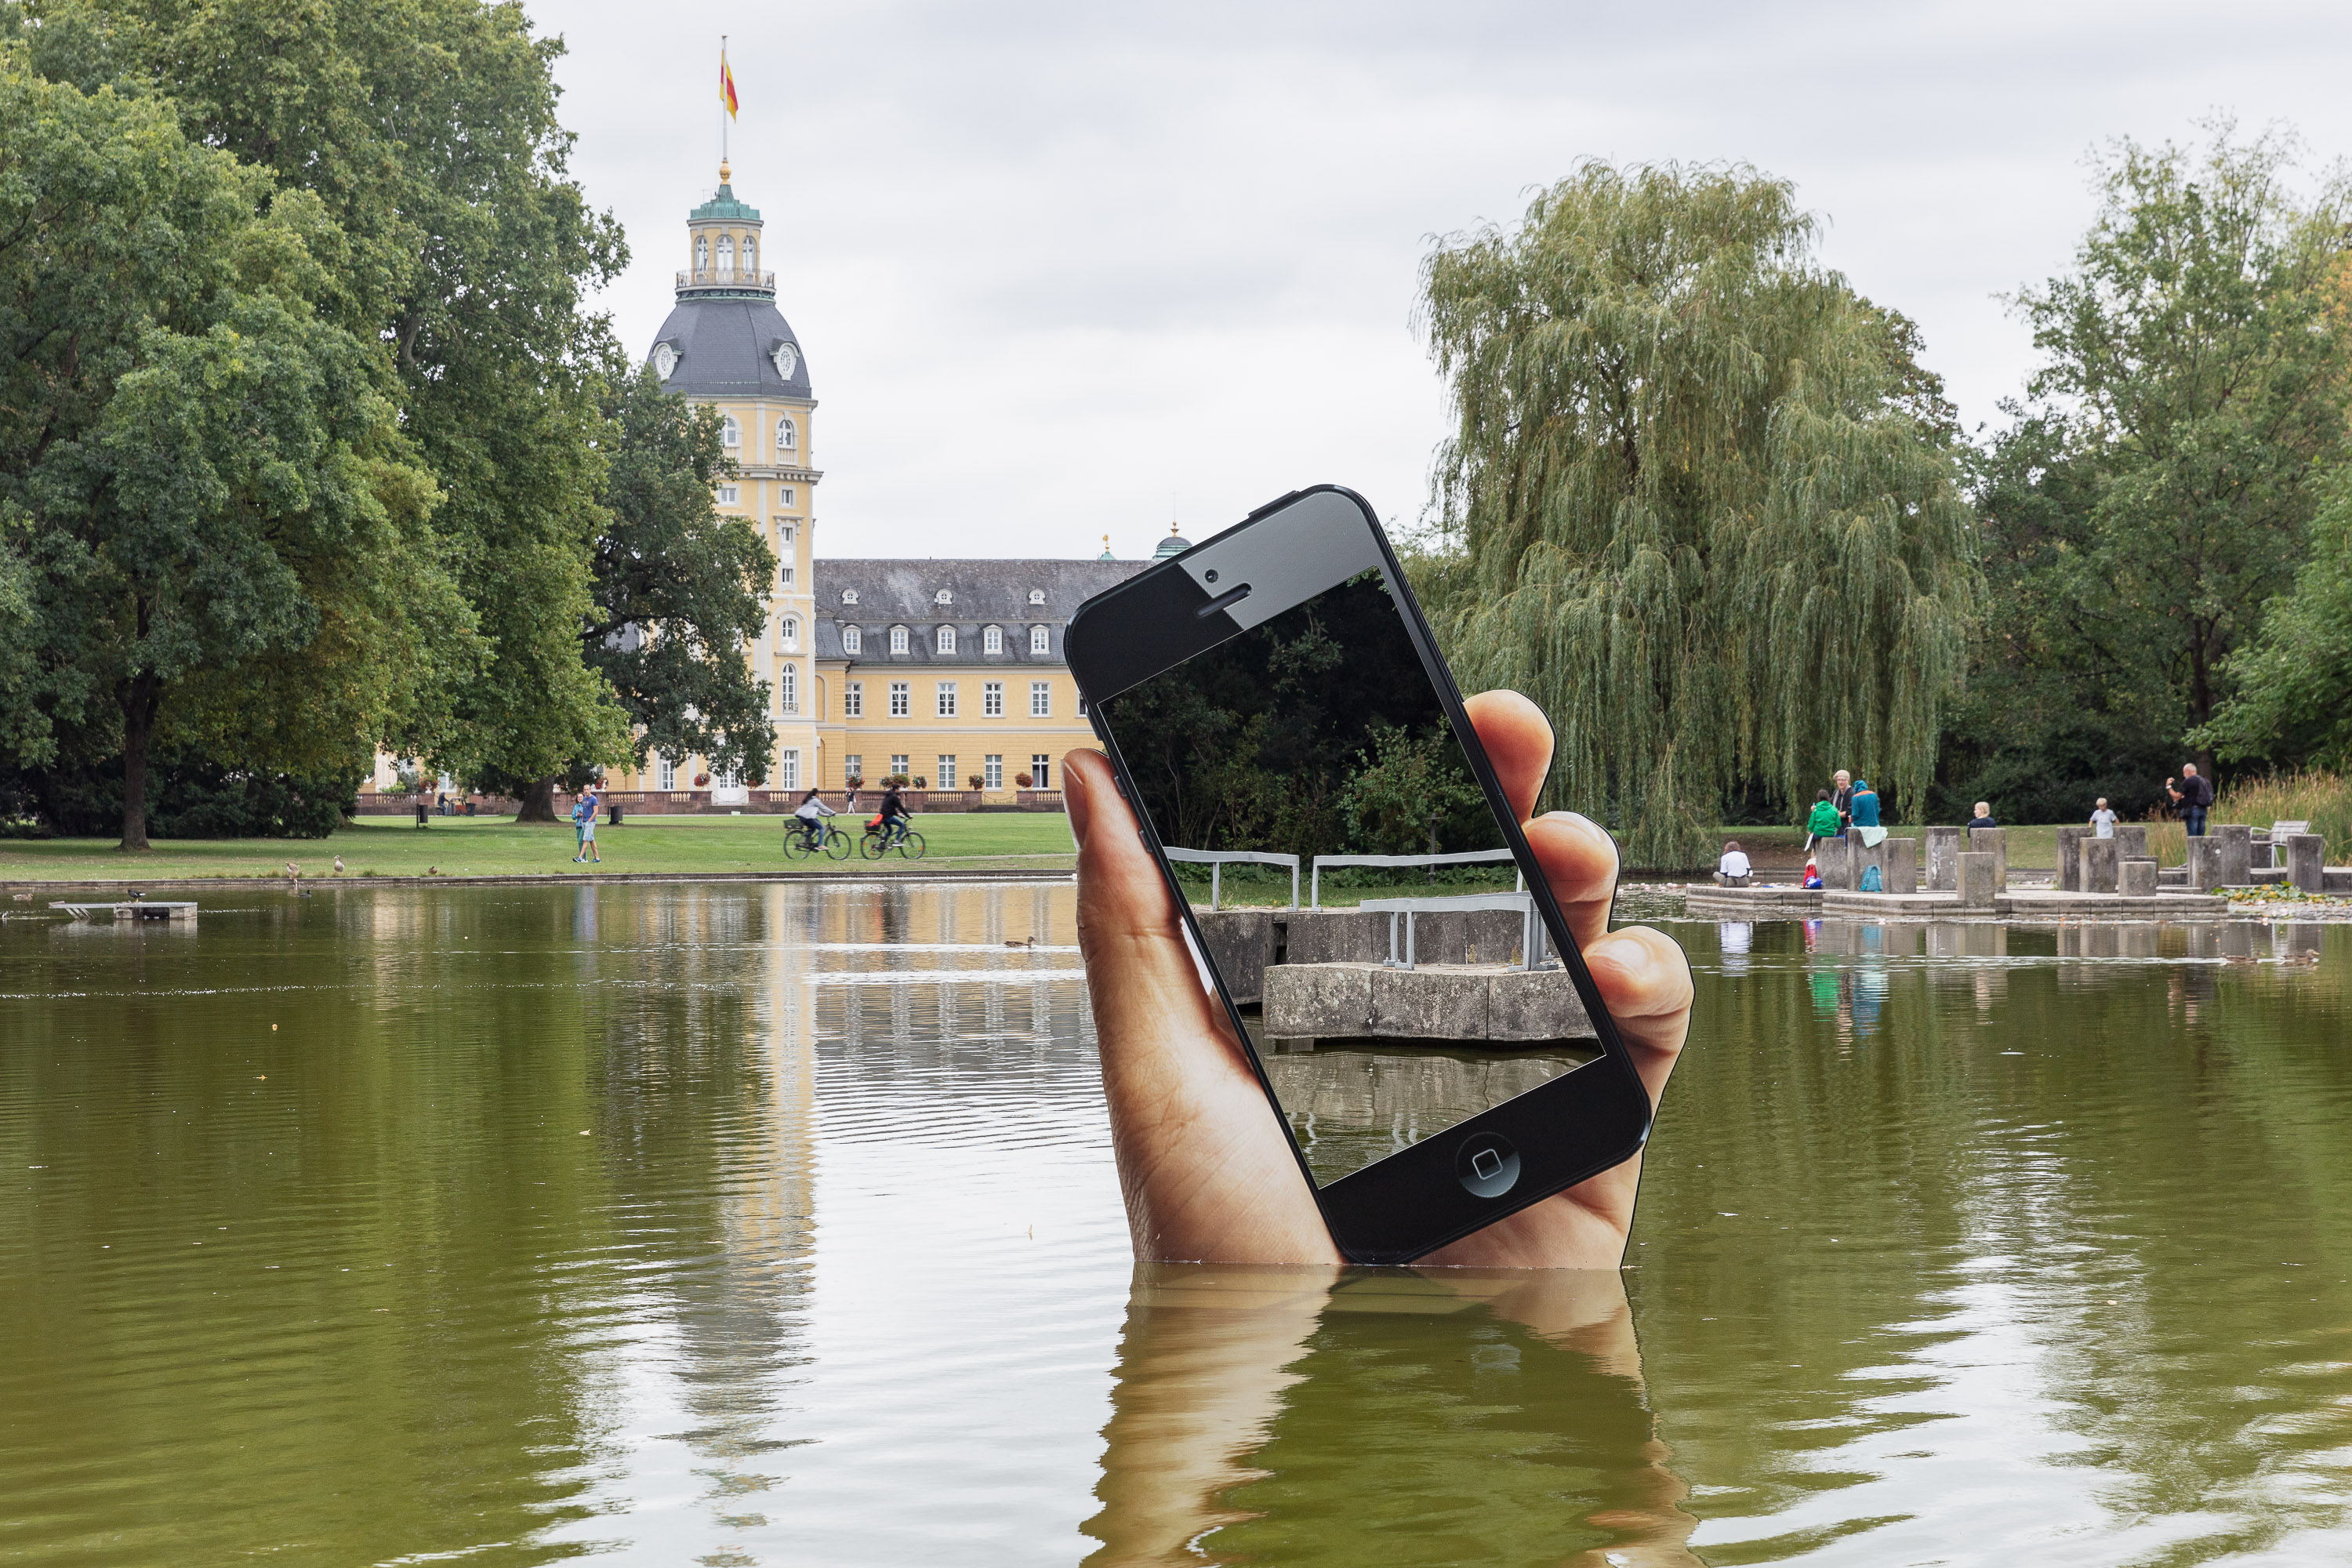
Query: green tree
[
  {"x": 2294, "y": 683},
  {"x": 2155, "y": 492},
  {"x": 201, "y": 483},
  {"x": 428, "y": 131},
  {"x": 678, "y": 589},
  {"x": 1700, "y": 501}
]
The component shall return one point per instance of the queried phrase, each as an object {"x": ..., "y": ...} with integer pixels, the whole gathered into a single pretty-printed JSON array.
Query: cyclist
[
  {"x": 810, "y": 813},
  {"x": 895, "y": 818}
]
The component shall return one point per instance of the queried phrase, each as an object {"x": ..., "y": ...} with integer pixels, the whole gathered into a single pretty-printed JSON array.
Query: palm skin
[{"x": 1206, "y": 1170}]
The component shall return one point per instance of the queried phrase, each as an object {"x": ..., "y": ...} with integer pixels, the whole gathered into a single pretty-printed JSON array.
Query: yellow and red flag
[{"x": 726, "y": 85}]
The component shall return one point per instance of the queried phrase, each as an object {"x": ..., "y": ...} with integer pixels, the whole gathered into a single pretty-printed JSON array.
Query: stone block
[
  {"x": 2135, "y": 878},
  {"x": 1899, "y": 864},
  {"x": 1239, "y": 941},
  {"x": 2237, "y": 853},
  {"x": 1534, "y": 1005},
  {"x": 2070, "y": 866},
  {"x": 1836, "y": 857},
  {"x": 2131, "y": 840},
  {"x": 2205, "y": 864},
  {"x": 1335, "y": 936},
  {"x": 1318, "y": 1001},
  {"x": 1976, "y": 870},
  {"x": 2303, "y": 855},
  {"x": 2097, "y": 870},
  {"x": 1992, "y": 841},
  {"x": 1944, "y": 847},
  {"x": 1429, "y": 1004}
]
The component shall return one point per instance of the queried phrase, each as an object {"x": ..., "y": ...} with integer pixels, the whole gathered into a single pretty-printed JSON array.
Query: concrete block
[
  {"x": 1318, "y": 1001},
  {"x": 2131, "y": 840},
  {"x": 2135, "y": 878},
  {"x": 1976, "y": 870},
  {"x": 1836, "y": 857},
  {"x": 2096, "y": 872},
  {"x": 2303, "y": 851},
  {"x": 1534, "y": 1005},
  {"x": 1899, "y": 865},
  {"x": 1239, "y": 941},
  {"x": 1993, "y": 841},
  {"x": 1944, "y": 847},
  {"x": 2237, "y": 853},
  {"x": 2205, "y": 863},
  {"x": 1335, "y": 936},
  {"x": 1429, "y": 1004},
  {"x": 2070, "y": 867}
]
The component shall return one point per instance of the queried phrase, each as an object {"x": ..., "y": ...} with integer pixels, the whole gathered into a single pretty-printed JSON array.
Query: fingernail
[{"x": 1074, "y": 802}]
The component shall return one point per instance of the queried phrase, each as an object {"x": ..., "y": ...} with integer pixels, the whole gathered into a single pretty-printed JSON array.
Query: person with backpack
[{"x": 894, "y": 818}]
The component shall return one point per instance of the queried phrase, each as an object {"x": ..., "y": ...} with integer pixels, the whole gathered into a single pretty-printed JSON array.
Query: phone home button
[{"x": 1487, "y": 1164}]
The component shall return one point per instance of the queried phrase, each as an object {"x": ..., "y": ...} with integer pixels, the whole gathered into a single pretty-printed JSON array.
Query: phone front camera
[{"x": 1213, "y": 576}]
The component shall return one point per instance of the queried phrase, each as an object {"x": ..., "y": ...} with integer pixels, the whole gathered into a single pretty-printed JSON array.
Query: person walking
[
  {"x": 2103, "y": 821},
  {"x": 583, "y": 822},
  {"x": 2194, "y": 796},
  {"x": 1825, "y": 822},
  {"x": 812, "y": 813}
]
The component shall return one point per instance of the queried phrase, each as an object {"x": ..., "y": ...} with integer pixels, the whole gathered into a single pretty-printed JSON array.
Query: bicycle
[
  {"x": 880, "y": 841},
  {"x": 802, "y": 843}
]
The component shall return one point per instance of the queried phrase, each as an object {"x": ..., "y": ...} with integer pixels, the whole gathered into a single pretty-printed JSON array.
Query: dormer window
[
  {"x": 1036, "y": 595},
  {"x": 852, "y": 640},
  {"x": 992, "y": 640},
  {"x": 898, "y": 639},
  {"x": 664, "y": 360},
  {"x": 943, "y": 598},
  {"x": 849, "y": 595},
  {"x": 1040, "y": 640},
  {"x": 947, "y": 639}
]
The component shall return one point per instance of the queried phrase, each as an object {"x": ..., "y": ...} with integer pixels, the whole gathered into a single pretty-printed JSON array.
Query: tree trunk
[
  {"x": 141, "y": 698},
  {"x": 538, "y": 802}
]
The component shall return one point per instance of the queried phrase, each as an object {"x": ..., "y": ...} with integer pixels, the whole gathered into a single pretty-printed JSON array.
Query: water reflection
[{"x": 739, "y": 1224}]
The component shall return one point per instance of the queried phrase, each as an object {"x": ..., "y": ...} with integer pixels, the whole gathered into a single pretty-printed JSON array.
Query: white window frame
[
  {"x": 992, "y": 699},
  {"x": 853, "y": 700},
  {"x": 665, "y": 773},
  {"x": 788, "y": 768},
  {"x": 899, "y": 763},
  {"x": 853, "y": 766},
  {"x": 992, "y": 640},
  {"x": 788, "y": 633},
  {"x": 788, "y": 439},
  {"x": 1040, "y": 768},
  {"x": 853, "y": 640},
  {"x": 731, "y": 495},
  {"x": 1036, "y": 595},
  {"x": 992, "y": 771},
  {"x": 787, "y": 690},
  {"x": 786, "y": 575},
  {"x": 945, "y": 642},
  {"x": 730, "y": 432},
  {"x": 789, "y": 494},
  {"x": 946, "y": 697},
  {"x": 898, "y": 639},
  {"x": 943, "y": 772},
  {"x": 902, "y": 700},
  {"x": 1041, "y": 699},
  {"x": 1040, "y": 640}
]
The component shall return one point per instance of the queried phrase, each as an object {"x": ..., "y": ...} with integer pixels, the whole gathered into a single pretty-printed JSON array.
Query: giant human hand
[{"x": 1207, "y": 1171}]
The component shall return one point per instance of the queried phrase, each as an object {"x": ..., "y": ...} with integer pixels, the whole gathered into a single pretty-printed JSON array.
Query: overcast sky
[{"x": 1060, "y": 268}]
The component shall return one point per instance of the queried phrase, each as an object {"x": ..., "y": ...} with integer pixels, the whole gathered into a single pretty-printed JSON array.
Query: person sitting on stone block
[{"x": 1733, "y": 871}]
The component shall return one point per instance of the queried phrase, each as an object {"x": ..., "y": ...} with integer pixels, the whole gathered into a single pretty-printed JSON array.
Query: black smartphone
[{"x": 1272, "y": 697}]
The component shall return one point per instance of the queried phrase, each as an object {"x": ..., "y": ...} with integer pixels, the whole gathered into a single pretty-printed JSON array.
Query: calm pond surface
[{"x": 771, "y": 1225}]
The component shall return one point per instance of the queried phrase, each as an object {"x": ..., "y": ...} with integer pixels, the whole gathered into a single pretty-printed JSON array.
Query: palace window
[
  {"x": 726, "y": 253},
  {"x": 701, "y": 264},
  {"x": 788, "y": 768},
  {"x": 786, "y": 574},
  {"x": 787, "y": 690},
  {"x": 992, "y": 772},
  {"x": 852, "y": 640},
  {"x": 1040, "y": 769},
  {"x": 666, "y": 772},
  {"x": 947, "y": 699},
  {"x": 848, "y": 595},
  {"x": 1041, "y": 699},
  {"x": 1082, "y": 704},
  {"x": 902, "y": 699},
  {"x": 1040, "y": 640},
  {"x": 853, "y": 700},
  {"x": 1036, "y": 595},
  {"x": 853, "y": 768},
  {"x": 992, "y": 699},
  {"x": 790, "y": 501},
  {"x": 733, "y": 435},
  {"x": 788, "y": 633},
  {"x": 947, "y": 639},
  {"x": 992, "y": 640},
  {"x": 898, "y": 639},
  {"x": 731, "y": 495},
  {"x": 751, "y": 253},
  {"x": 788, "y": 532},
  {"x": 788, "y": 439},
  {"x": 946, "y": 777},
  {"x": 899, "y": 763}
]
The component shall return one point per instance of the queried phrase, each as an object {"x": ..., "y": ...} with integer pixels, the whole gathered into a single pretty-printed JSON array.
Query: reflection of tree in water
[{"x": 1315, "y": 732}]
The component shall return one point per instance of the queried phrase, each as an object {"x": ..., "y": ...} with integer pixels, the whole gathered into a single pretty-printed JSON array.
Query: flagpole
[{"x": 722, "y": 99}]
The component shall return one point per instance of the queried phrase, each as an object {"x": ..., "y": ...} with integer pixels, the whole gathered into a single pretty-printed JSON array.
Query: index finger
[{"x": 1577, "y": 856}]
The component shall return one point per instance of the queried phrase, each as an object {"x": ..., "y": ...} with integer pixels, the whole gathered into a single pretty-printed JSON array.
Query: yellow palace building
[{"x": 944, "y": 671}]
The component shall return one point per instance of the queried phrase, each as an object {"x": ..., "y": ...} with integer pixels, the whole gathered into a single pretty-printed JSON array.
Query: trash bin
[
  {"x": 423, "y": 815},
  {"x": 614, "y": 815}
]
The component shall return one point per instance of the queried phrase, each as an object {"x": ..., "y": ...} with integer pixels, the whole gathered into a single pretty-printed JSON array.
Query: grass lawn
[{"x": 497, "y": 845}]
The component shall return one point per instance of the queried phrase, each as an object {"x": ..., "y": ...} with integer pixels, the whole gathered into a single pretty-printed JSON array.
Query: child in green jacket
[{"x": 1823, "y": 823}]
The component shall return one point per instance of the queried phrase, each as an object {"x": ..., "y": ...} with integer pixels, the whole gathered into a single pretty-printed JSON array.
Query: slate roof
[
  {"x": 725, "y": 349},
  {"x": 903, "y": 593}
]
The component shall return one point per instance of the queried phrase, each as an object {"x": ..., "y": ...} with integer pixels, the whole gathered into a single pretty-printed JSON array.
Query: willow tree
[{"x": 1701, "y": 502}]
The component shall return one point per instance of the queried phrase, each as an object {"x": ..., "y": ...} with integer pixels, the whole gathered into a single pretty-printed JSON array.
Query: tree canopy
[{"x": 1701, "y": 502}]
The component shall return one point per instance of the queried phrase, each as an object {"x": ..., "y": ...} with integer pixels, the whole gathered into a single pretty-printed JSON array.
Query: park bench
[{"x": 2276, "y": 842}]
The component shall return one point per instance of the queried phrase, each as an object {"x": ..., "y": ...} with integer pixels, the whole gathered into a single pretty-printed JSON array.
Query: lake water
[{"x": 771, "y": 1225}]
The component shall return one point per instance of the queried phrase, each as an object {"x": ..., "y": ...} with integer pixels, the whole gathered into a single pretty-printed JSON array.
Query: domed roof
[
  {"x": 730, "y": 348},
  {"x": 1174, "y": 544}
]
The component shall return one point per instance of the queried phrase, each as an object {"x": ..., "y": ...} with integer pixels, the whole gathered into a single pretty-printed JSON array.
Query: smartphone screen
[{"x": 1318, "y": 733}]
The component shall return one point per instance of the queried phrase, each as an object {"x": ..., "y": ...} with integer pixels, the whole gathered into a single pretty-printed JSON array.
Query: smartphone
[{"x": 1274, "y": 691}]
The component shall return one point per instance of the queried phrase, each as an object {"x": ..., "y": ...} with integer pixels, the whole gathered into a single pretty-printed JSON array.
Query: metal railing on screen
[
  {"x": 1216, "y": 860},
  {"x": 1532, "y": 928},
  {"x": 1314, "y": 899}
]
